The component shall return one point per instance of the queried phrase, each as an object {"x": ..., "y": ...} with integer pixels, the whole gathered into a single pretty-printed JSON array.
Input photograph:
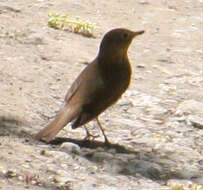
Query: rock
[
  {"x": 70, "y": 147},
  {"x": 190, "y": 107},
  {"x": 195, "y": 121},
  {"x": 191, "y": 111},
  {"x": 124, "y": 102}
]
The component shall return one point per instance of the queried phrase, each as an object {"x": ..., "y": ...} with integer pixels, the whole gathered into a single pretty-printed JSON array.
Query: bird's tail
[{"x": 66, "y": 115}]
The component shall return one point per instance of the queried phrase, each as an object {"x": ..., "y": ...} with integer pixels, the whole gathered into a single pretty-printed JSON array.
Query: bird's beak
[{"x": 138, "y": 33}]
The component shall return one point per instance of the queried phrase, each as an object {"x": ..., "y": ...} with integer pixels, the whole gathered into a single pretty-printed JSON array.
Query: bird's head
[{"x": 117, "y": 40}]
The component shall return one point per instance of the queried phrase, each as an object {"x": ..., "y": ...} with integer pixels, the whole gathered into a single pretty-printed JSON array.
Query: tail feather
[{"x": 63, "y": 118}]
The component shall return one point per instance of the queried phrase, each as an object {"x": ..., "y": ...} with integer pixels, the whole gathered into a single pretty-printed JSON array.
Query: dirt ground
[{"x": 156, "y": 129}]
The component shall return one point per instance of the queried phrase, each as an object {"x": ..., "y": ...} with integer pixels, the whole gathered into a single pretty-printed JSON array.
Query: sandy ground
[{"x": 156, "y": 127}]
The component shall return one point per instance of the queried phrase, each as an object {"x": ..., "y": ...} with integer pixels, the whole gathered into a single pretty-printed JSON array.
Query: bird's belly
[{"x": 107, "y": 97}]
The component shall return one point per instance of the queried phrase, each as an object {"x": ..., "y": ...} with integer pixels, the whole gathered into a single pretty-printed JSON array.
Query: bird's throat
[{"x": 115, "y": 69}]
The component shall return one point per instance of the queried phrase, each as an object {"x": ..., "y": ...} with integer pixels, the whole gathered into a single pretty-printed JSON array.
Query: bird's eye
[{"x": 125, "y": 35}]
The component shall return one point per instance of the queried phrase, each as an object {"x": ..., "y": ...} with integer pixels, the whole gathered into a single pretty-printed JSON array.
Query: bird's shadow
[
  {"x": 92, "y": 144},
  {"x": 123, "y": 160}
]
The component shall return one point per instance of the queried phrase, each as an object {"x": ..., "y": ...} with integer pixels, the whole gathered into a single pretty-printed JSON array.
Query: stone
[
  {"x": 70, "y": 147},
  {"x": 190, "y": 107},
  {"x": 195, "y": 121}
]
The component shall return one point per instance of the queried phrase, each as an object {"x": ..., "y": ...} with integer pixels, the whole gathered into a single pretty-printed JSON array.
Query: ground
[{"x": 155, "y": 129}]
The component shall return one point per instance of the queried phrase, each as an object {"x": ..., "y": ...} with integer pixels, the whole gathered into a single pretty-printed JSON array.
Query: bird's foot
[
  {"x": 90, "y": 137},
  {"x": 106, "y": 141}
]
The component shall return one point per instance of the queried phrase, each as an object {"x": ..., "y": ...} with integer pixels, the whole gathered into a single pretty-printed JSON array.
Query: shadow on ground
[
  {"x": 11, "y": 126},
  {"x": 119, "y": 159},
  {"x": 113, "y": 158}
]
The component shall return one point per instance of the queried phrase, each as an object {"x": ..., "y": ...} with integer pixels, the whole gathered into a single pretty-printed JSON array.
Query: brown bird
[{"x": 98, "y": 86}]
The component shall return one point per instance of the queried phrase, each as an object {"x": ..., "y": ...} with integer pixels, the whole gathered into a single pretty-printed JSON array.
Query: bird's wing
[
  {"x": 75, "y": 86},
  {"x": 73, "y": 89},
  {"x": 85, "y": 84}
]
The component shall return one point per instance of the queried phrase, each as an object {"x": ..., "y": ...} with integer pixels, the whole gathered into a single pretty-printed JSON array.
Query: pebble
[
  {"x": 195, "y": 121},
  {"x": 190, "y": 107},
  {"x": 70, "y": 147}
]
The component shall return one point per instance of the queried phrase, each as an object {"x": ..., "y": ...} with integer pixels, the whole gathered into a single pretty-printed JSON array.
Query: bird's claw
[{"x": 90, "y": 137}]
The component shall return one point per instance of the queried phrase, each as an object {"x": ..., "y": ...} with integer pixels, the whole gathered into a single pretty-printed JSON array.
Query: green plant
[{"x": 62, "y": 21}]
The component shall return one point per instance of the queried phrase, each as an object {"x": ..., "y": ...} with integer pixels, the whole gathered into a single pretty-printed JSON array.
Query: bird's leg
[
  {"x": 100, "y": 126},
  {"x": 89, "y": 135}
]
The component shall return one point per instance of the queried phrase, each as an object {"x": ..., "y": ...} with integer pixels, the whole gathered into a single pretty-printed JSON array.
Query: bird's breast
[{"x": 116, "y": 77}]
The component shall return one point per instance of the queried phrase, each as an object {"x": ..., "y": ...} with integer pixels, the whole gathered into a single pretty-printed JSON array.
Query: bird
[{"x": 98, "y": 86}]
